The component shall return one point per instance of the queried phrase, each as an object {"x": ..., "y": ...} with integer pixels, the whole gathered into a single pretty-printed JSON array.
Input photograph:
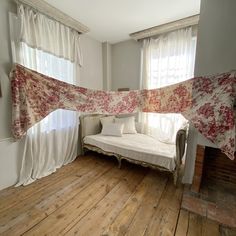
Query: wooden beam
[
  {"x": 157, "y": 30},
  {"x": 56, "y": 14}
]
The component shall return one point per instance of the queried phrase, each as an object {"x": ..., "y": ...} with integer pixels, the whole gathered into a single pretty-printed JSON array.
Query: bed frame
[{"x": 90, "y": 125}]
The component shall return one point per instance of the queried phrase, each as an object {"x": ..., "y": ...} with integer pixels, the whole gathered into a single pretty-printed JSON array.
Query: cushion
[
  {"x": 112, "y": 129},
  {"x": 129, "y": 124},
  {"x": 91, "y": 124},
  {"x": 107, "y": 119}
]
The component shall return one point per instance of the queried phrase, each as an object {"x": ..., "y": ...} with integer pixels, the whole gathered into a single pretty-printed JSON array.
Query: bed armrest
[
  {"x": 89, "y": 125},
  {"x": 181, "y": 138}
]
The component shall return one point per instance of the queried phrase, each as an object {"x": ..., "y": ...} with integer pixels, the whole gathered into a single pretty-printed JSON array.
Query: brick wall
[
  {"x": 212, "y": 164},
  {"x": 219, "y": 167},
  {"x": 198, "y": 172}
]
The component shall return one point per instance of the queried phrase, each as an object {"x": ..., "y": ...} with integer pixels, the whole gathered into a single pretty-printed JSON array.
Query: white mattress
[{"x": 137, "y": 147}]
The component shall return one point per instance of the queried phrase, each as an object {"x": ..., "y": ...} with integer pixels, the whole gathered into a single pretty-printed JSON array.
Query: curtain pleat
[
  {"x": 53, "y": 142},
  {"x": 41, "y": 32}
]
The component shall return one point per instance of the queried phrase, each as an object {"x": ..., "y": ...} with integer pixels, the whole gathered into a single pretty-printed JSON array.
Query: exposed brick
[
  {"x": 196, "y": 184},
  {"x": 213, "y": 200},
  {"x": 218, "y": 166},
  {"x": 195, "y": 205},
  {"x": 198, "y": 171},
  {"x": 216, "y": 202},
  {"x": 200, "y": 153}
]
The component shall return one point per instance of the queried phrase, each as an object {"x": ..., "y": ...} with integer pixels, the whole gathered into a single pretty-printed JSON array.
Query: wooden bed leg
[
  {"x": 119, "y": 163},
  {"x": 175, "y": 176},
  {"x": 82, "y": 152}
]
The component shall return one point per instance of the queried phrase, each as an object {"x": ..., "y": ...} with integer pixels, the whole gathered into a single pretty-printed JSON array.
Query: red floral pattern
[
  {"x": 207, "y": 102},
  {"x": 212, "y": 111}
]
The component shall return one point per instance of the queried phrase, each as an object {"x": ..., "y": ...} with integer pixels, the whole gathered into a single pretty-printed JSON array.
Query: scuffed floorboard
[{"x": 91, "y": 196}]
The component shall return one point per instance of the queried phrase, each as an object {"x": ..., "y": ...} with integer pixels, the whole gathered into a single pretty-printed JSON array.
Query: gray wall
[
  {"x": 106, "y": 58},
  {"x": 126, "y": 65},
  {"x": 216, "y": 52},
  {"x": 216, "y": 45},
  {"x": 9, "y": 151},
  {"x": 90, "y": 75},
  {"x": 5, "y": 66}
]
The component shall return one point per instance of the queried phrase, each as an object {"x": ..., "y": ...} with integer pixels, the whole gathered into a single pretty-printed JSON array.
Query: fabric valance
[
  {"x": 41, "y": 32},
  {"x": 207, "y": 102}
]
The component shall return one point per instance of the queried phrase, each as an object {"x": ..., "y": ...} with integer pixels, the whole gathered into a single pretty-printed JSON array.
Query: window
[
  {"x": 172, "y": 69},
  {"x": 53, "y": 141},
  {"x": 167, "y": 60},
  {"x": 55, "y": 67}
]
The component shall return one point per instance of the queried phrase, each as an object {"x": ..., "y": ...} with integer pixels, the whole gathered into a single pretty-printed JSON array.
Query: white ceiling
[{"x": 114, "y": 20}]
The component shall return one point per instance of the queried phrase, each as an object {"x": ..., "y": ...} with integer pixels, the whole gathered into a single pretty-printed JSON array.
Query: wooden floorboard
[
  {"x": 9, "y": 197},
  {"x": 29, "y": 212},
  {"x": 142, "y": 201},
  {"x": 91, "y": 196},
  {"x": 147, "y": 205},
  {"x": 80, "y": 205},
  {"x": 166, "y": 215},
  {"x": 182, "y": 226}
]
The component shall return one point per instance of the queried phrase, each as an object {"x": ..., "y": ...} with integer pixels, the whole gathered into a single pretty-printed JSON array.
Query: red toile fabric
[{"x": 207, "y": 102}]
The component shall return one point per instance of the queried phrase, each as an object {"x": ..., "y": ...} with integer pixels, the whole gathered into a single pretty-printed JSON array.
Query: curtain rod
[
  {"x": 174, "y": 25},
  {"x": 55, "y": 14}
]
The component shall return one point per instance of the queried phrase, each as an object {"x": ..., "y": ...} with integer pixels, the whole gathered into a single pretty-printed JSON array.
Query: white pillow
[
  {"x": 112, "y": 129},
  {"x": 107, "y": 119},
  {"x": 129, "y": 124}
]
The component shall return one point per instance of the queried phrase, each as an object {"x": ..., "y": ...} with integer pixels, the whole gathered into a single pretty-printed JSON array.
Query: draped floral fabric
[{"x": 207, "y": 102}]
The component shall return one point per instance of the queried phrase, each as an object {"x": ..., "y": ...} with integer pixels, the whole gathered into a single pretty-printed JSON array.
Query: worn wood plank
[
  {"x": 224, "y": 231},
  {"x": 138, "y": 210},
  {"x": 79, "y": 205},
  {"x": 182, "y": 224},
  {"x": 107, "y": 209},
  {"x": 9, "y": 200},
  {"x": 24, "y": 202},
  {"x": 7, "y": 192},
  {"x": 148, "y": 206},
  {"x": 19, "y": 219},
  {"x": 166, "y": 215},
  {"x": 94, "y": 197},
  {"x": 195, "y": 225},
  {"x": 210, "y": 227}
]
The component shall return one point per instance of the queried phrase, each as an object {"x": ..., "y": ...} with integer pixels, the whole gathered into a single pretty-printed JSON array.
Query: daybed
[{"x": 137, "y": 148}]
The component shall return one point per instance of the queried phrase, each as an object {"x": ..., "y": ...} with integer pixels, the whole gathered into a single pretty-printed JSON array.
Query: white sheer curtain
[
  {"x": 53, "y": 142},
  {"x": 39, "y": 31},
  {"x": 166, "y": 60}
]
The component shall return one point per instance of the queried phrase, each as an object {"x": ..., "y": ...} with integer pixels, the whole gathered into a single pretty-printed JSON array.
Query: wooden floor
[{"x": 92, "y": 196}]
